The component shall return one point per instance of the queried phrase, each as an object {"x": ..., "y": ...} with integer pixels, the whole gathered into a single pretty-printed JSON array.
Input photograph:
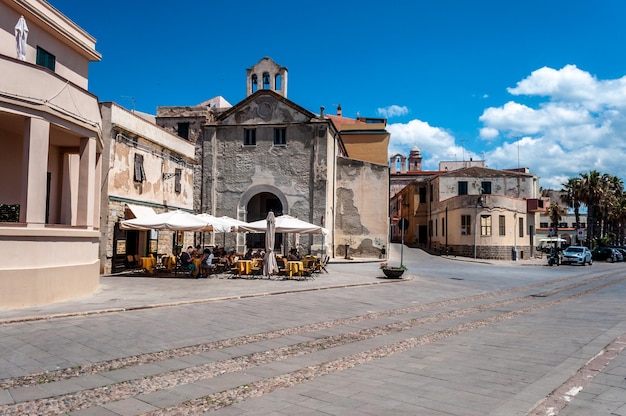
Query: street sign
[{"x": 395, "y": 219}]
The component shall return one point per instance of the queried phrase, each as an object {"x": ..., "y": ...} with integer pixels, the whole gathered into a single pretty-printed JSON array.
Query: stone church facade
[{"x": 266, "y": 153}]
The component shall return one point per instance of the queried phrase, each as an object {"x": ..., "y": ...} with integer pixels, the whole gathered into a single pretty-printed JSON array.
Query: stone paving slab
[{"x": 500, "y": 369}]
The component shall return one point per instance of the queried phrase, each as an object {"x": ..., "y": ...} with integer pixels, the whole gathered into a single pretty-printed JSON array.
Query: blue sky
[{"x": 532, "y": 83}]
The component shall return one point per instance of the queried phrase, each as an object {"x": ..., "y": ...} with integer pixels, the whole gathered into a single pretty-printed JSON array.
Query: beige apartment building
[
  {"x": 472, "y": 212},
  {"x": 50, "y": 136},
  {"x": 146, "y": 170}
]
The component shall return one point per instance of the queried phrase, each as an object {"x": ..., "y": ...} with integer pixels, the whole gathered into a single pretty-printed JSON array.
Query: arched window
[
  {"x": 278, "y": 81},
  {"x": 255, "y": 83},
  {"x": 266, "y": 80}
]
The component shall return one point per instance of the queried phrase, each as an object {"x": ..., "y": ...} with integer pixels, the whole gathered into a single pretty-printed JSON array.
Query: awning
[{"x": 139, "y": 211}]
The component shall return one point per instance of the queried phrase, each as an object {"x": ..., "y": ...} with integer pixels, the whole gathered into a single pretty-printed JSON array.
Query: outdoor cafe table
[
  {"x": 296, "y": 267},
  {"x": 169, "y": 262},
  {"x": 244, "y": 267},
  {"x": 148, "y": 264}
]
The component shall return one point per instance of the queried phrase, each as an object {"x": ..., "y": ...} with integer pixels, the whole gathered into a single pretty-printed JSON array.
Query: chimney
[
  {"x": 339, "y": 110},
  {"x": 322, "y": 112}
]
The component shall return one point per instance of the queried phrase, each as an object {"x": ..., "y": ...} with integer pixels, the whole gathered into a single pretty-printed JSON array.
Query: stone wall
[{"x": 362, "y": 208}]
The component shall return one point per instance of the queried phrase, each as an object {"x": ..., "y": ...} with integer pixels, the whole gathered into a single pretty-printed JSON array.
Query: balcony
[
  {"x": 535, "y": 205},
  {"x": 33, "y": 89}
]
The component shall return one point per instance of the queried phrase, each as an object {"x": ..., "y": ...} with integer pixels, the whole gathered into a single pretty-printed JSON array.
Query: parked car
[
  {"x": 621, "y": 250},
  {"x": 607, "y": 254},
  {"x": 577, "y": 254}
]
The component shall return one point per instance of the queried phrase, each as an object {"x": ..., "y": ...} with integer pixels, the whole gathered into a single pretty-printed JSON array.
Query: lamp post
[{"x": 515, "y": 236}]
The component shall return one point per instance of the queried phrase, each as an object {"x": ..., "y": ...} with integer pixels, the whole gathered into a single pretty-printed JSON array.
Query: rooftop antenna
[
  {"x": 463, "y": 149},
  {"x": 132, "y": 101}
]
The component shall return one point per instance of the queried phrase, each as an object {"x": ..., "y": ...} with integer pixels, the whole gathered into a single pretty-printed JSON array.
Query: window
[
  {"x": 443, "y": 226},
  {"x": 485, "y": 225},
  {"x": 430, "y": 228},
  {"x": 280, "y": 136},
  {"x": 436, "y": 227},
  {"x": 521, "y": 227},
  {"x": 485, "y": 187},
  {"x": 543, "y": 225},
  {"x": 278, "y": 81},
  {"x": 583, "y": 225},
  {"x": 177, "y": 175},
  {"x": 422, "y": 192},
  {"x": 462, "y": 187},
  {"x": 502, "y": 225},
  {"x": 249, "y": 137},
  {"x": 45, "y": 58},
  {"x": 466, "y": 224},
  {"x": 562, "y": 225},
  {"x": 183, "y": 130},
  {"x": 140, "y": 174}
]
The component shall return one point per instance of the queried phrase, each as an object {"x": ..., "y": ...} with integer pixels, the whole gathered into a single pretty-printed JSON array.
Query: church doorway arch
[{"x": 257, "y": 208}]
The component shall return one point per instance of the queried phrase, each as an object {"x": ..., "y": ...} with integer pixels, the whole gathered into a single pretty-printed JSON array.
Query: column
[
  {"x": 86, "y": 183},
  {"x": 35, "y": 170}
]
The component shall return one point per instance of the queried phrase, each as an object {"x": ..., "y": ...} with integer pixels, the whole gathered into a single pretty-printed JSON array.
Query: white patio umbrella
[
  {"x": 219, "y": 224},
  {"x": 285, "y": 224},
  {"x": 173, "y": 220},
  {"x": 21, "y": 35},
  {"x": 270, "y": 266}
]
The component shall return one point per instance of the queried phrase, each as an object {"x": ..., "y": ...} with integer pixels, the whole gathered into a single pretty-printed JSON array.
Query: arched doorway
[{"x": 257, "y": 208}]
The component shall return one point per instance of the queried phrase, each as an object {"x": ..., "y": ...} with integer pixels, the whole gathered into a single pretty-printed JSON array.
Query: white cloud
[
  {"x": 489, "y": 133},
  {"x": 435, "y": 143},
  {"x": 393, "y": 111},
  {"x": 579, "y": 125},
  {"x": 571, "y": 84}
]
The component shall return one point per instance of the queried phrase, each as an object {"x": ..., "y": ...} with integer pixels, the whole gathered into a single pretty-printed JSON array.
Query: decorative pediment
[{"x": 265, "y": 107}]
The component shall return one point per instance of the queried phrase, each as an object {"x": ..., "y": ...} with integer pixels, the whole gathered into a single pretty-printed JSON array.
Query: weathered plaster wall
[{"x": 362, "y": 208}]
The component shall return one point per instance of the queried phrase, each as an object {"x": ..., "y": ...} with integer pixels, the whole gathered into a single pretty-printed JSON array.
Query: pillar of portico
[
  {"x": 35, "y": 174},
  {"x": 86, "y": 183}
]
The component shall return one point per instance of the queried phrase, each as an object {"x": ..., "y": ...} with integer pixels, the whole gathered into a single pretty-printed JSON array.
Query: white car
[{"x": 577, "y": 254}]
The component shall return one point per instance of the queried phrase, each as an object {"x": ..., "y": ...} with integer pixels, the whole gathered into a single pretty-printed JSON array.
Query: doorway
[{"x": 258, "y": 208}]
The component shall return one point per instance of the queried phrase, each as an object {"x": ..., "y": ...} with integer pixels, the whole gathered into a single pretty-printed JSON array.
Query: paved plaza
[{"x": 452, "y": 337}]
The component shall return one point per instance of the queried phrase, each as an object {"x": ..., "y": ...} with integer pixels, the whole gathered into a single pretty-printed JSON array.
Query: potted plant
[{"x": 392, "y": 272}]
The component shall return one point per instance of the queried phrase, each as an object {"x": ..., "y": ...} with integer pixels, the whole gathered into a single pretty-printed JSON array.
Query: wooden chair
[
  {"x": 131, "y": 263},
  {"x": 283, "y": 270}
]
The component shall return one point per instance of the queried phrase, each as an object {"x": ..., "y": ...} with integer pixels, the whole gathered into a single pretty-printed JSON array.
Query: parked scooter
[{"x": 553, "y": 257}]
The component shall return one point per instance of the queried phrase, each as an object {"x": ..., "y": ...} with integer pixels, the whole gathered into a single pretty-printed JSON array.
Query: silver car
[{"x": 577, "y": 254}]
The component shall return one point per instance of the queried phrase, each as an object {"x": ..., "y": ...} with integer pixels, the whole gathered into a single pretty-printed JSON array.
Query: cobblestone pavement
[{"x": 452, "y": 337}]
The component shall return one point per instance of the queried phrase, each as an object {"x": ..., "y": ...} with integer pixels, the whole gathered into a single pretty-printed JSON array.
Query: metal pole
[{"x": 402, "y": 246}]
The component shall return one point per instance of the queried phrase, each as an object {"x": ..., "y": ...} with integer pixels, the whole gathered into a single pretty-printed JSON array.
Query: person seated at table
[
  {"x": 293, "y": 255},
  {"x": 258, "y": 254},
  {"x": 207, "y": 266},
  {"x": 185, "y": 261}
]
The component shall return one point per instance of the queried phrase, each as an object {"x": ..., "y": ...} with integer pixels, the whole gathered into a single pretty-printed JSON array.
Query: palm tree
[
  {"x": 572, "y": 197},
  {"x": 555, "y": 212}
]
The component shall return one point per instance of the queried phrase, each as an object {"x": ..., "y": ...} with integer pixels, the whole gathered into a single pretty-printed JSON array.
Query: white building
[{"x": 50, "y": 136}]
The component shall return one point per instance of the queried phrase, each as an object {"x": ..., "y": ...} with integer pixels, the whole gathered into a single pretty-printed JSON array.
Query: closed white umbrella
[
  {"x": 21, "y": 35},
  {"x": 270, "y": 266}
]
